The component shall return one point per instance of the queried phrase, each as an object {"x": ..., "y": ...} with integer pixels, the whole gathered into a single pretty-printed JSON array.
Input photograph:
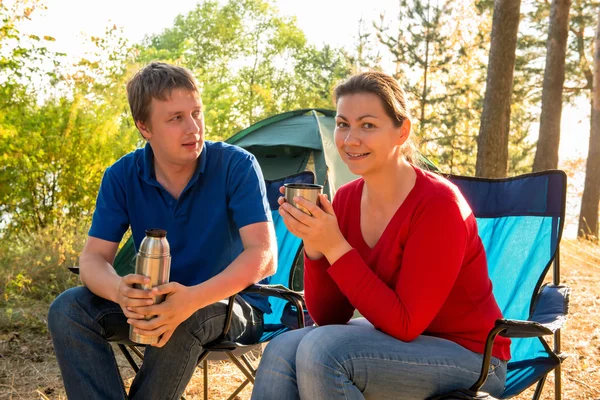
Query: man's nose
[{"x": 192, "y": 126}]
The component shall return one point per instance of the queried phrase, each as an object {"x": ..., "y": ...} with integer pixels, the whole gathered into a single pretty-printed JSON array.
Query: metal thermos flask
[{"x": 154, "y": 261}]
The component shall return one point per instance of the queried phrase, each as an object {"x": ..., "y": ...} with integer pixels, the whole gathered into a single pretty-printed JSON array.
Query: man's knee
[{"x": 64, "y": 309}]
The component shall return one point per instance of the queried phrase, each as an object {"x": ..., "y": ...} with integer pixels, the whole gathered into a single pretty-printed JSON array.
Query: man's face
[{"x": 176, "y": 128}]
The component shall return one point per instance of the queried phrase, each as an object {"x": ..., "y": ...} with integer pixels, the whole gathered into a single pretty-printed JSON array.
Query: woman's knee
[
  {"x": 321, "y": 348},
  {"x": 284, "y": 346}
]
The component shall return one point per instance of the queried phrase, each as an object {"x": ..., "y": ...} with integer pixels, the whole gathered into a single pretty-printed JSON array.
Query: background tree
[
  {"x": 546, "y": 156},
  {"x": 492, "y": 142},
  {"x": 364, "y": 56},
  {"x": 588, "y": 218},
  {"x": 437, "y": 48}
]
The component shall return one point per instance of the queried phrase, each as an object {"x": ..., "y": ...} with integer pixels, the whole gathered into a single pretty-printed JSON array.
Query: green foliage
[
  {"x": 33, "y": 271},
  {"x": 54, "y": 153},
  {"x": 35, "y": 266},
  {"x": 249, "y": 61}
]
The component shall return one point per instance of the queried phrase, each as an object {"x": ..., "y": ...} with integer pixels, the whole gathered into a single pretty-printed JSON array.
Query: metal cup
[{"x": 306, "y": 190}]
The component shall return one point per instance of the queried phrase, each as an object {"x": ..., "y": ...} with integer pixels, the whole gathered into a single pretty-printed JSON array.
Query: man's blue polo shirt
[{"x": 226, "y": 193}]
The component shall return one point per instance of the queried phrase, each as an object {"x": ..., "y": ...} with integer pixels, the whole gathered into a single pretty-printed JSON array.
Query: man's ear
[{"x": 144, "y": 129}]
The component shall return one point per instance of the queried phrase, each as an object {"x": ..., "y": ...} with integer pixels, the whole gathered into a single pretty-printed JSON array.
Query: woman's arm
[
  {"x": 432, "y": 258},
  {"x": 325, "y": 302}
]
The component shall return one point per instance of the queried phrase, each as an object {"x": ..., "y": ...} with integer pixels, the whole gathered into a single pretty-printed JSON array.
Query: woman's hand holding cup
[{"x": 313, "y": 220}]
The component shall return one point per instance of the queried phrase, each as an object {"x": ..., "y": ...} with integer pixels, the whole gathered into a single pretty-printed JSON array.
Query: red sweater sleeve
[
  {"x": 431, "y": 261},
  {"x": 325, "y": 302}
]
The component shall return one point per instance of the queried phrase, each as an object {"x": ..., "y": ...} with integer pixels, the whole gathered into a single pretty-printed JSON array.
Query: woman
[{"x": 399, "y": 245}]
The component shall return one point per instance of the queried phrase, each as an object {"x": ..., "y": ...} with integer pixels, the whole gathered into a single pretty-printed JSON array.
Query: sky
[{"x": 334, "y": 22}]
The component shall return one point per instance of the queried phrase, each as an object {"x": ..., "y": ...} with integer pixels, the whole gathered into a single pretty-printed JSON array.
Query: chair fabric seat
[{"x": 523, "y": 374}]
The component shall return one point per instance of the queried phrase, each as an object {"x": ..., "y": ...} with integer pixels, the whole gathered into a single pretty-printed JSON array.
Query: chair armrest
[
  {"x": 549, "y": 314},
  {"x": 552, "y": 307},
  {"x": 512, "y": 328},
  {"x": 74, "y": 269},
  {"x": 296, "y": 298},
  {"x": 280, "y": 291},
  {"x": 276, "y": 291}
]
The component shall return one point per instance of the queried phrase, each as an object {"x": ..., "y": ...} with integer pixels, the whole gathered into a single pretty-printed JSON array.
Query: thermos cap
[
  {"x": 155, "y": 244},
  {"x": 157, "y": 233}
]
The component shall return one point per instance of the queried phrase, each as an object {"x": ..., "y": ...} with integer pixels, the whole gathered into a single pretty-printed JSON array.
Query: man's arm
[
  {"x": 98, "y": 275},
  {"x": 96, "y": 270},
  {"x": 257, "y": 261}
]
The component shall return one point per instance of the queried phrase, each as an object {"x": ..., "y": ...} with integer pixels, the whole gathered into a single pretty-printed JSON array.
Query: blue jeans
[
  {"x": 82, "y": 325},
  {"x": 356, "y": 361}
]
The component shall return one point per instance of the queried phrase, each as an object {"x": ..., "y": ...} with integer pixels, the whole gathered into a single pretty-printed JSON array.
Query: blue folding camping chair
[{"x": 520, "y": 222}]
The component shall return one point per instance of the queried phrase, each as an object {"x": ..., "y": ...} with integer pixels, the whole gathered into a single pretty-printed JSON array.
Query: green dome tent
[
  {"x": 294, "y": 141},
  {"x": 291, "y": 142}
]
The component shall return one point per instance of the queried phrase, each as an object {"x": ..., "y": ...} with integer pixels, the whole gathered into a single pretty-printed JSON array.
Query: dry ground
[{"x": 28, "y": 369}]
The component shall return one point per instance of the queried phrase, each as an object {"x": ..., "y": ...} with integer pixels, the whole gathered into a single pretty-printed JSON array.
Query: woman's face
[{"x": 365, "y": 135}]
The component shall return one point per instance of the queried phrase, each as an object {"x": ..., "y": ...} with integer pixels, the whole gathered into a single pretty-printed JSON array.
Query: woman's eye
[
  {"x": 368, "y": 126},
  {"x": 342, "y": 125}
]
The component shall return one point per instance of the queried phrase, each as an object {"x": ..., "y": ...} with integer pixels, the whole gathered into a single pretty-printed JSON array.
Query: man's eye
[{"x": 175, "y": 118}]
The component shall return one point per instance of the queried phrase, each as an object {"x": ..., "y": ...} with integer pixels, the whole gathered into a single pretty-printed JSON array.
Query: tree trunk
[
  {"x": 492, "y": 142},
  {"x": 588, "y": 217},
  {"x": 546, "y": 156}
]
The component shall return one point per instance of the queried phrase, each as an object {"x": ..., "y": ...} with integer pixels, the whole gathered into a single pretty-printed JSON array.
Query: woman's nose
[{"x": 352, "y": 136}]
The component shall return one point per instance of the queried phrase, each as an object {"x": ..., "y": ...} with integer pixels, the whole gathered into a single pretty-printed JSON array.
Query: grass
[{"x": 28, "y": 369}]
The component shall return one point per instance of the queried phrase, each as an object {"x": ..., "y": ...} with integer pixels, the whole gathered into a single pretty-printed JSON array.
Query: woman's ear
[
  {"x": 404, "y": 131},
  {"x": 144, "y": 129}
]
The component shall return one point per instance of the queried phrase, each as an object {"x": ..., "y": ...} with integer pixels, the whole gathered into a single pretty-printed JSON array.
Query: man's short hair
[{"x": 156, "y": 81}]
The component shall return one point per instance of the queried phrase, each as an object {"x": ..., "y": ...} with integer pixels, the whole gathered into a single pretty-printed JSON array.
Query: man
[{"x": 211, "y": 199}]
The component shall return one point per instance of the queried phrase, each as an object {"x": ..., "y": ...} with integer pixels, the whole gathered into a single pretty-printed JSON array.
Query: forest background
[{"x": 485, "y": 102}]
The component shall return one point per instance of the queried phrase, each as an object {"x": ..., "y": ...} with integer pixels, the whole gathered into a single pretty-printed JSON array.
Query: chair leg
[
  {"x": 558, "y": 382},
  {"x": 128, "y": 357},
  {"x": 539, "y": 388},
  {"x": 239, "y": 389},
  {"x": 137, "y": 352},
  {"x": 246, "y": 361},
  {"x": 240, "y": 366},
  {"x": 205, "y": 374}
]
